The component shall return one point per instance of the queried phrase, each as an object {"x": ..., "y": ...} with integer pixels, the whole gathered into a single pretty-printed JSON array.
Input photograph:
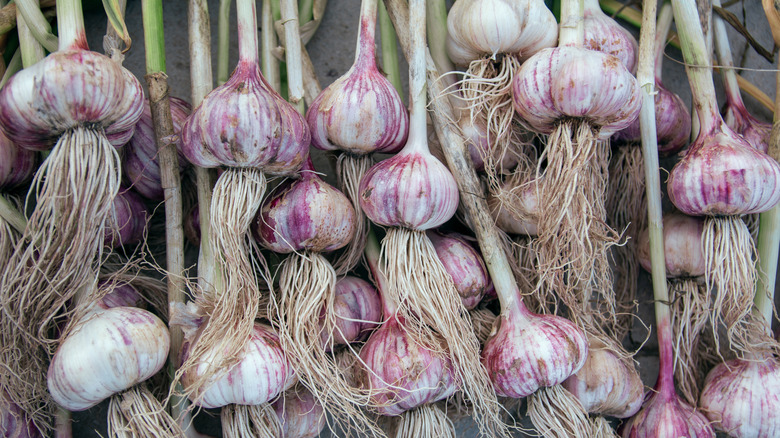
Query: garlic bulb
[
  {"x": 401, "y": 374},
  {"x": 300, "y": 415},
  {"x": 128, "y": 221},
  {"x": 567, "y": 82},
  {"x": 526, "y": 352},
  {"x": 66, "y": 89},
  {"x": 682, "y": 246},
  {"x": 357, "y": 309},
  {"x": 13, "y": 421},
  {"x": 411, "y": 189},
  {"x": 109, "y": 351},
  {"x": 307, "y": 213},
  {"x": 604, "y": 34},
  {"x": 464, "y": 264},
  {"x": 723, "y": 175},
  {"x": 486, "y": 28},
  {"x": 16, "y": 164},
  {"x": 606, "y": 384},
  {"x": 262, "y": 373},
  {"x": 140, "y": 166},
  {"x": 664, "y": 415},
  {"x": 742, "y": 397},
  {"x": 521, "y": 216}
]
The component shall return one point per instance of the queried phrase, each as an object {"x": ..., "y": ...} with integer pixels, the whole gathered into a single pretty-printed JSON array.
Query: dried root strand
[
  {"x": 556, "y": 413},
  {"x": 260, "y": 421},
  {"x": 232, "y": 303},
  {"x": 626, "y": 212},
  {"x": 58, "y": 253},
  {"x": 690, "y": 312},
  {"x": 426, "y": 421},
  {"x": 307, "y": 286},
  {"x": 136, "y": 413},
  {"x": 601, "y": 428},
  {"x": 428, "y": 301},
  {"x": 350, "y": 171},
  {"x": 574, "y": 238}
]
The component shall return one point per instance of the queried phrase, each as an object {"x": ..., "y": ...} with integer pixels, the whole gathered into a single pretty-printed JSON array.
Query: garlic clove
[
  {"x": 109, "y": 351},
  {"x": 69, "y": 89},
  {"x": 261, "y": 374},
  {"x": 742, "y": 397},
  {"x": 682, "y": 246},
  {"x": 411, "y": 189}
]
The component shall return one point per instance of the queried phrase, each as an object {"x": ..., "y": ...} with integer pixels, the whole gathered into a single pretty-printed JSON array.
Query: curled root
[
  {"x": 232, "y": 302},
  {"x": 350, "y": 171},
  {"x": 482, "y": 319},
  {"x": 627, "y": 212},
  {"x": 556, "y": 413},
  {"x": 306, "y": 287},
  {"x": 57, "y": 254},
  {"x": 730, "y": 257},
  {"x": 135, "y": 413},
  {"x": 601, "y": 428},
  {"x": 428, "y": 302},
  {"x": 690, "y": 312},
  {"x": 574, "y": 238},
  {"x": 259, "y": 421},
  {"x": 426, "y": 421}
]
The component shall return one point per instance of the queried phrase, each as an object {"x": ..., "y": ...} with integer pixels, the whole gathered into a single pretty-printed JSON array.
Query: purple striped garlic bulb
[
  {"x": 358, "y": 310},
  {"x": 129, "y": 219},
  {"x": 140, "y": 165},
  {"x": 604, "y": 34},
  {"x": 665, "y": 415},
  {"x": 401, "y": 374},
  {"x": 300, "y": 414},
  {"x": 526, "y": 351},
  {"x": 107, "y": 352},
  {"x": 742, "y": 397},
  {"x": 464, "y": 264},
  {"x": 261, "y": 374},
  {"x": 17, "y": 165},
  {"x": 569, "y": 82}
]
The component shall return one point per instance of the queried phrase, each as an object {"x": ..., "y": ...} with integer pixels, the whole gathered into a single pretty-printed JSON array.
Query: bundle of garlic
[{"x": 85, "y": 105}]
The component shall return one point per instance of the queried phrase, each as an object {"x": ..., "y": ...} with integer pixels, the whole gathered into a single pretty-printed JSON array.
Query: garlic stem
[
  {"x": 14, "y": 65},
  {"x": 662, "y": 27},
  {"x": 389, "y": 50},
  {"x": 459, "y": 163},
  {"x": 365, "y": 52},
  {"x": 154, "y": 41},
  {"x": 645, "y": 76},
  {"x": 572, "y": 26},
  {"x": 697, "y": 64},
  {"x": 32, "y": 51},
  {"x": 418, "y": 97},
  {"x": 437, "y": 38},
  {"x": 63, "y": 426},
  {"x": 270, "y": 64},
  {"x": 292, "y": 52},
  {"x": 223, "y": 41},
  {"x": 247, "y": 31},
  {"x": 10, "y": 214},
  {"x": 70, "y": 25},
  {"x": 726, "y": 61},
  {"x": 769, "y": 235},
  {"x": 39, "y": 25},
  {"x": 372, "y": 252}
]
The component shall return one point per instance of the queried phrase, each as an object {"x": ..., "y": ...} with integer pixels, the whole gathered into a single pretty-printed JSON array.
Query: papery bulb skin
[
  {"x": 17, "y": 165},
  {"x": 527, "y": 353},
  {"x": 754, "y": 131},
  {"x": 526, "y": 202},
  {"x": 140, "y": 165},
  {"x": 307, "y": 214},
  {"x": 464, "y": 264},
  {"x": 130, "y": 217},
  {"x": 570, "y": 82},
  {"x": 682, "y": 246},
  {"x": 411, "y": 189},
  {"x": 121, "y": 295},
  {"x": 261, "y": 374},
  {"x": 14, "y": 422},
  {"x": 485, "y": 28},
  {"x": 245, "y": 123},
  {"x": 357, "y": 308},
  {"x": 300, "y": 415},
  {"x": 401, "y": 374},
  {"x": 604, "y": 34},
  {"x": 721, "y": 175},
  {"x": 665, "y": 415},
  {"x": 68, "y": 89},
  {"x": 742, "y": 397},
  {"x": 606, "y": 385},
  {"x": 360, "y": 113},
  {"x": 672, "y": 123},
  {"x": 110, "y": 351}
]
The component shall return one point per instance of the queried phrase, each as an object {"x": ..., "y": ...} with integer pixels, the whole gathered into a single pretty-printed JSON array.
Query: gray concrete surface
[{"x": 332, "y": 51}]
